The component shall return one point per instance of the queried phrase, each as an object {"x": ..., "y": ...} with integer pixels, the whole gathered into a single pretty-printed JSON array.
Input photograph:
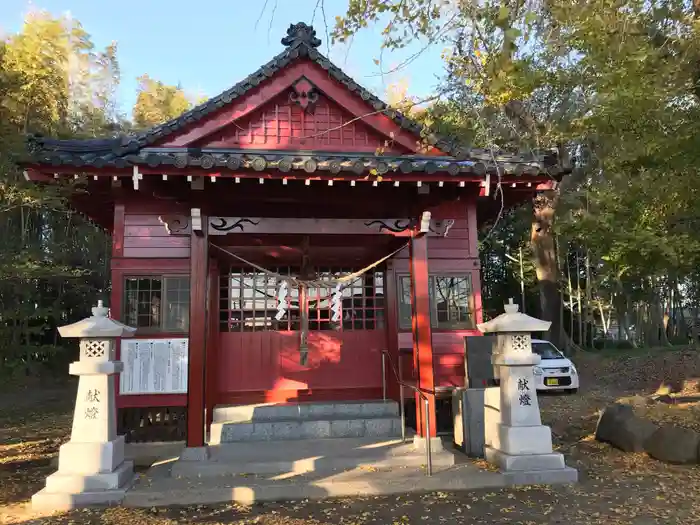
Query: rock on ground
[
  {"x": 674, "y": 445},
  {"x": 619, "y": 426}
]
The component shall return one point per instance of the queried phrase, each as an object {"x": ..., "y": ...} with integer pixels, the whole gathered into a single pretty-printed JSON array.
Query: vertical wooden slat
[
  {"x": 197, "y": 338},
  {"x": 422, "y": 330}
]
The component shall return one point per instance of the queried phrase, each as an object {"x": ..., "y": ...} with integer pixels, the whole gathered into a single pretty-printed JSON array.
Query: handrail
[{"x": 423, "y": 393}]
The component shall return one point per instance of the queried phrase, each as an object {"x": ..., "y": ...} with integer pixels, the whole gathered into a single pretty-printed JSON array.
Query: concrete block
[
  {"x": 62, "y": 501},
  {"x": 343, "y": 428},
  {"x": 380, "y": 409},
  {"x": 316, "y": 410},
  {"x": 286, "y": 430},
  {"x": 541, "y": 477},
  {"x": 378, "y": 427},
  {"x": 315, "y": 429},
  {"x": 347, "y": 409},
  {"x": 523, "y": 440},
  {"x": 194, "y": 454},
  {"x": 236, "y": 432},
  {"x": 261, "y": 432},
  {"x": 74, "y": 483},
  {"x": 77, "y": 457},
  {"x": 534, "y": 462},
  {"x": 492, "y": 397},
  {"x": 396, "y": 427},
  {"x": 435, "y": 444},
  {"x": 275, "y": 412}
]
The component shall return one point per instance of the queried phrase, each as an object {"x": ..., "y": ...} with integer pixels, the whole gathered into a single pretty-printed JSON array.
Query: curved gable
[{"x": 301, "y": 63}]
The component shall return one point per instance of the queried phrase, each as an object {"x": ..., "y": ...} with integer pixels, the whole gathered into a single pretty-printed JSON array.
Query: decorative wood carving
[
  {"x": 441, "y": 227},
  {"x": 224, "y": 225},
  {"x": 176, "y": 224},
  {"x": 392, "y": 225},
  {"x": 257, "y": 225},
  {"x": 304, "y": 93}
]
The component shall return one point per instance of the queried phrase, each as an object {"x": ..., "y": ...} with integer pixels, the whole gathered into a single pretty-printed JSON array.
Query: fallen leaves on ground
[{"x": 615, "y": 488}]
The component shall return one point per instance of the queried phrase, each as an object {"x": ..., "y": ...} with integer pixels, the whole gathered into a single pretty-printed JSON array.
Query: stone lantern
[
  {"x": 515, "y": 439},
  {"x": 91, "y": 466}
]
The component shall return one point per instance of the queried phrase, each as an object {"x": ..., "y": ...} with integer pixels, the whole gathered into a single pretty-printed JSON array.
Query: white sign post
[
  {"x": 516, "y": 441},
  {"x": 91, "y": 466}
]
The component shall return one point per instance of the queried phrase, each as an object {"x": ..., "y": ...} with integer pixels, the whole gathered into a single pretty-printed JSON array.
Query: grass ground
[{"x": 616, "y": 488}]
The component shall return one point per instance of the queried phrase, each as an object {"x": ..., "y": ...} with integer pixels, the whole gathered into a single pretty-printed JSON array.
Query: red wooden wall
[
  {"x": 256, "y": 367},
  {"x": 258, "y": 113},
  {"x": 145, "y": 235},
  {"x": 282, "y": 124},
  {"x": 142, "y": 246},
  {"x": 264, "y": 366},
  {"x": 457, "y": 253}
]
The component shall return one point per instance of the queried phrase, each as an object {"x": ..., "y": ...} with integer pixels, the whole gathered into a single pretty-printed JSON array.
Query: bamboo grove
[{"x": 54, "y": 265}]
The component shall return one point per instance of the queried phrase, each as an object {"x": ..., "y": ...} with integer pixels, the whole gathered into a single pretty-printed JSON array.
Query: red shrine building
[{"x": 273, "y": 242}]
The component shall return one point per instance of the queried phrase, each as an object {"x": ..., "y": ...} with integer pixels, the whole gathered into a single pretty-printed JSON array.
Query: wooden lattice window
[
  {"x": 157, "y": 303},
  {"x": 249, "y": 302},
  {"x": 451, "y": 302},
  {"x": 362, "y": 301}
]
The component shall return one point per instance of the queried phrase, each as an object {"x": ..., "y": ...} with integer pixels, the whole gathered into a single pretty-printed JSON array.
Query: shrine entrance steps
[
  {"x": 305, "y": 421},
  {"x": 284, "y": 452},
  {"x": 323, "y": 457}
]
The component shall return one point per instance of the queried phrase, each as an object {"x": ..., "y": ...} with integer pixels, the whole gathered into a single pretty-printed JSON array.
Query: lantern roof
[
  {"x": 513, "y": 321},
  {"x": 97, "y": 326}
]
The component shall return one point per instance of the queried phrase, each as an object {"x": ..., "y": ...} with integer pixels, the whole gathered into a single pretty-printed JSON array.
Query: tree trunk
[
  {"x": 545, "y": 259},
  {"x": 581, "y": 336}
]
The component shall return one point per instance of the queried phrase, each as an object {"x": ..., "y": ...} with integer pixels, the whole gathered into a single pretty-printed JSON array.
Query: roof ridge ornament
[{"x": 301, "y": 33}]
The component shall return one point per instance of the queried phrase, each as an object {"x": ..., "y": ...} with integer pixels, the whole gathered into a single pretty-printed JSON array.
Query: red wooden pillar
[
  {"x": 212, "y": 351},
  {"x": 199, "y": 275},
  {"x": 391, "y": 317},
  {"x": 422, "y": 330}
]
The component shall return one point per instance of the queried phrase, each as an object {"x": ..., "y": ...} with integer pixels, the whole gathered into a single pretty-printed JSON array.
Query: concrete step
[
  {"x": 248, "y": 489},
  {"x": 304, "y": 429},
  {"x": 318, "y": 456},
  {"x": 304, "y": 411}
]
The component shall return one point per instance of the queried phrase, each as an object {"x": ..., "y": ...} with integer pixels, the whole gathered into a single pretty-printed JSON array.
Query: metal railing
[{"x": 422, "y": 393}]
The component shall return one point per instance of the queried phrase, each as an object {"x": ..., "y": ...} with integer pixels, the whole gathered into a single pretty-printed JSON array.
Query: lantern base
[
  {"x": 517, "y": 441},
  {"x": 535, "y": 469},
  {"x": 76, "y": 457},
  {"x": 70, "y": 491},
  {"x": 508, "y": 462}
]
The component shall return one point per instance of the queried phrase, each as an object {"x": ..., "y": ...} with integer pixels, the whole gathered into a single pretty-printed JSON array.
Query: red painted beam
[
  {"x": 422, "y": 331},
  {"x": 199, "y": 274}
]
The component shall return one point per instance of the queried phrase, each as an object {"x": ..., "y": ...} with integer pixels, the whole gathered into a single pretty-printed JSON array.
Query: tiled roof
[
  {"x": 478, "y": 162},
  {"x": 300, "y": 42}
]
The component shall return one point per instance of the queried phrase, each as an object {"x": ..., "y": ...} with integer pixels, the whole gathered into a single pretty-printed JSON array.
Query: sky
[{"x": 209, "y": 45}]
